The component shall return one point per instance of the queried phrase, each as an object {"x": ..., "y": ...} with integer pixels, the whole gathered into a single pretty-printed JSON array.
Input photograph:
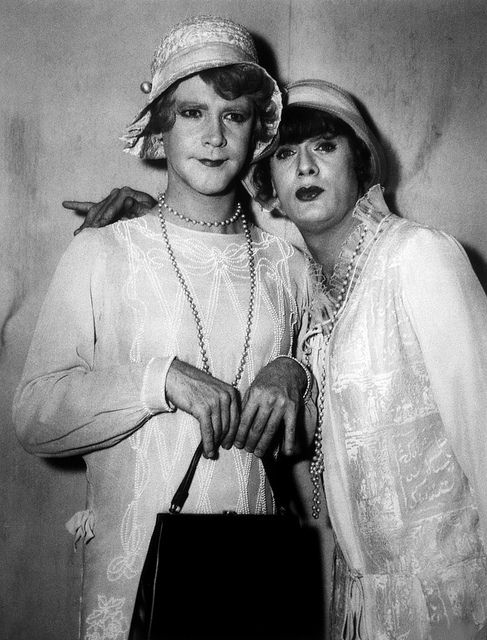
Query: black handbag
[{"x": 230, "y": 576}]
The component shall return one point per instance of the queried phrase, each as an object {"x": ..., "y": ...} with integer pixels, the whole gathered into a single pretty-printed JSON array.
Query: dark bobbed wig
[
  {"x": 300, "y": 123},
  {"x": 229, "y": 82}
]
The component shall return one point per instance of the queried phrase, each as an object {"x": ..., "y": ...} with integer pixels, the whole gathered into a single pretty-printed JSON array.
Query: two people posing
[{"x": 395, "y": 333}]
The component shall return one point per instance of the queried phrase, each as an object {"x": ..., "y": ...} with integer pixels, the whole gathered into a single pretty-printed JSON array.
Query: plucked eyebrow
[
  {"x": 313, "y": 139},
  {"x": 185, "y": 104},
  {"x": 244, "y": 108}
]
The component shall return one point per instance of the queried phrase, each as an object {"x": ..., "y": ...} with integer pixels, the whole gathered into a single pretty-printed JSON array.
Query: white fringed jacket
[{"x": 405, "y": 435}]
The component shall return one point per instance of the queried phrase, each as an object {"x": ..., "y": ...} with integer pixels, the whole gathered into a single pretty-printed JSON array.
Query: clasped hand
[{"x": 253, "y": 422}]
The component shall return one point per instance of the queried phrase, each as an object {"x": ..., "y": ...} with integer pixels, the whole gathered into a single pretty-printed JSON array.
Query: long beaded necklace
[
  {"x": 194, "y": 310},
  {"x": 317, "y": 465},
  {"x": 203, "y": 223}
]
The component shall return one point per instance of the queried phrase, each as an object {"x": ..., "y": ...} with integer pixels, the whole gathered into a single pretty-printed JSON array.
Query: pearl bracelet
[{"x": 309, "y": 381}]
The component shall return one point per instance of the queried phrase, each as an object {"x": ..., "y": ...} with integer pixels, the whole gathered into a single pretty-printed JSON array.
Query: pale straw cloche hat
[{"x": 198, "y": 43}]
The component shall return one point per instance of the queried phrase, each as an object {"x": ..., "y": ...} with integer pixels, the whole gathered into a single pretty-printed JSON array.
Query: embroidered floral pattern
[{"x": 107, "y": 622}]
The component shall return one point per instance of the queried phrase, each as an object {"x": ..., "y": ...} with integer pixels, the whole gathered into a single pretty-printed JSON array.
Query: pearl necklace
[
  {"x": 192, "y": 304},
  {"x": 317, "y": 465},
  {"x": 203, "y": 223}
]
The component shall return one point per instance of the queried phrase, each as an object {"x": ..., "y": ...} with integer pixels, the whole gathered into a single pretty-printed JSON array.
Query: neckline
[
  {"x": 371, "y": 211},
  {"x": 194, "y": 230}
]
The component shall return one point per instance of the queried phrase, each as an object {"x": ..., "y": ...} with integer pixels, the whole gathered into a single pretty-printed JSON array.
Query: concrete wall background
[{"x": 70, "y": 72}]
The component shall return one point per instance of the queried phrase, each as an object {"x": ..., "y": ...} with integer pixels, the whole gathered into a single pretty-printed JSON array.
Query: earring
[{"x": 277, "y": 208}]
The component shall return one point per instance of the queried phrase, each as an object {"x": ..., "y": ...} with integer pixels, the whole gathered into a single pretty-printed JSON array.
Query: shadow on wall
[
  {"x": 479, "y": 265},
  {"x": 266, "y": 57},
  {"x": 73, "y": 464},
  {"x": 392, "y": 180},
  {"x": 11, "y": 294}
]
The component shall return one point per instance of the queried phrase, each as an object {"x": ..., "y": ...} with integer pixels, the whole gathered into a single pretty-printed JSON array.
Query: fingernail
[{"x": 239, "y": 445}]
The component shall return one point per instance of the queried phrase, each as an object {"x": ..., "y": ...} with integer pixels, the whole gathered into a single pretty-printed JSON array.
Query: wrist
[{"x": 309, "y": 380}]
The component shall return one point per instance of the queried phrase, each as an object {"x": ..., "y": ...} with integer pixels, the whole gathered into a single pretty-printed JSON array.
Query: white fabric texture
[
  {"x": 114, "y": 316},
  {"x": 404, "y": 441}
]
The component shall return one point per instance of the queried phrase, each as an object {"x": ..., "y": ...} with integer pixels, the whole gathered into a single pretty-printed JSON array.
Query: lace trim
[
  {"x": 370, "y": 210},
  {"x": 372, "y": 207}
]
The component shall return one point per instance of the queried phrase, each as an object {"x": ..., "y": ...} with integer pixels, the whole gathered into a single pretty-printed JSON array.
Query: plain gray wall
[{"x": 70, "y": 73}]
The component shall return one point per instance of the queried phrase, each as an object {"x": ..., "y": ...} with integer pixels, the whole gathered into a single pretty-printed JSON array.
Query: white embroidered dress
[
  {"x": 404, "y": 435},
  {"x": 114, "y": 317}
]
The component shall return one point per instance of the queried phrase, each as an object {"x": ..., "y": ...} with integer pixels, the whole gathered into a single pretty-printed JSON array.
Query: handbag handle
[
  {"x": 182, "y": 492},
  {"x": 271, "y": 466}
]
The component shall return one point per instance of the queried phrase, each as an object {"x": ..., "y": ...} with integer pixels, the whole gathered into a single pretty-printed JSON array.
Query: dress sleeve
[
  {"x": 64, "y": 405},
  {"x": 448, "y": 310}
]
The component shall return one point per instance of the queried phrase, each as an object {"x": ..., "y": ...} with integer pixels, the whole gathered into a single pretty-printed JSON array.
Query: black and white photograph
[{"x": 243, "y": 320}]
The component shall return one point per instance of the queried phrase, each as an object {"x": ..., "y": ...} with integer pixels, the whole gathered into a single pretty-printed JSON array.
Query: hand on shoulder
[{"x": 120, "y": 203}]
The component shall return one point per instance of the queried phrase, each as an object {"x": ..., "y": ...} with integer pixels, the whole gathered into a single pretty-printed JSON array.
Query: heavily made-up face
[
  {"x": 208, "y": 144},
  {"x": 315, "y": 182}
]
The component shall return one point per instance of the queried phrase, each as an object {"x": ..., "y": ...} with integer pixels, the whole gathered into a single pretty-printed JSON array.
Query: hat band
[
  {"x": 195, "y": 59},
  {"x": 348, "y": 117},
  {"x": 315, "y": 99}
]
